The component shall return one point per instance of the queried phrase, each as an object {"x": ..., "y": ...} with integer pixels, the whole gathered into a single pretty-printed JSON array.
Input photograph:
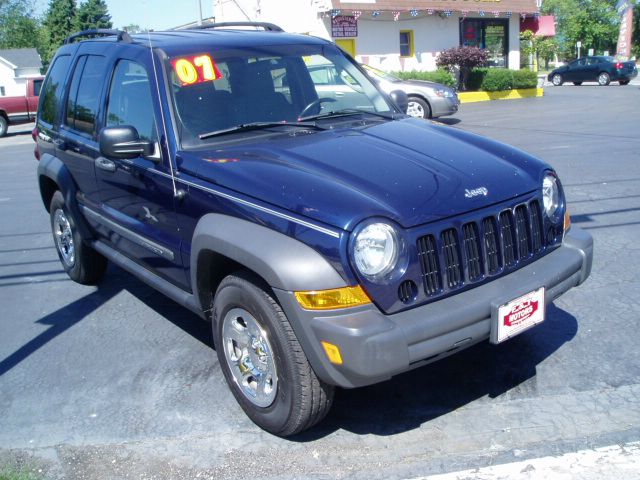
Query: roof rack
[
  {"x": 269, "y": 27},
  {"x": 100, "y": 32}
]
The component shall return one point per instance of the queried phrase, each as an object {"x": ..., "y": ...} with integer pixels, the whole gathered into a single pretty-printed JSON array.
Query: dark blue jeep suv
[{"x": 330, "y": 239}]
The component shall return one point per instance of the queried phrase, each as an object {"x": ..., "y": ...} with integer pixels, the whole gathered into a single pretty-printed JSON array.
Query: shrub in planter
[
  {"x": 476, "y": 77},
  {"x": 497, "y": 79},
  {"x": 525, "y": 78},
  {"x": 439, "y": 76},
  {"x": 464, "y": 58}
]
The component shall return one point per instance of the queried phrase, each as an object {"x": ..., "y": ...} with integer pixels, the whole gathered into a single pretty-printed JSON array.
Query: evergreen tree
[
  {"x": 18, "y": 26},
  {"x": 93, "y": 14},
  {"x": 59, "y": 23}
]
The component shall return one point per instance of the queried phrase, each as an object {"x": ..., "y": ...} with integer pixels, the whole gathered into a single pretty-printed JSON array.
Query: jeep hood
[{"x": 410, "y": 171}]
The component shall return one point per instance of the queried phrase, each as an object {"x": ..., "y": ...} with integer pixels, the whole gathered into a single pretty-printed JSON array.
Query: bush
[
  {"x": 439, "y": 76},
  {"x": 476, "y": 77},
  {"x": 463, "y": 58},
  {"x": 525, "y": 78},
  {"x": 497, "y": 79}
]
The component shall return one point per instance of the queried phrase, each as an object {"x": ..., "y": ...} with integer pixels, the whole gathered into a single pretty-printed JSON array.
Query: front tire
[
  {"x": 262, "y": 360},
  {"x": 81, "y": 262},
  {"x": 4, "y": 125},
  {"x": 604, "y": 79},
  {"x": 556, "y": 80},
  {"x": 577, "y": 83},
  {"x": 418, "y": 108}
]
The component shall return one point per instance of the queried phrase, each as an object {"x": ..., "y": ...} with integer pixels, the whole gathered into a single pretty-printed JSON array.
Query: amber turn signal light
[{"x": 332, "y": 299}]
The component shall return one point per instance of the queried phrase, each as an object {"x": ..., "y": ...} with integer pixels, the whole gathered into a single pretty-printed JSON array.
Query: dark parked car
[
  {"x": 594, "y": 69},
  {"x": 328, "y": 245}
]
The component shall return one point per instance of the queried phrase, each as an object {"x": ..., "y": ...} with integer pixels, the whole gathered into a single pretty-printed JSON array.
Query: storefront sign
[{"x": 343, "y": 26}]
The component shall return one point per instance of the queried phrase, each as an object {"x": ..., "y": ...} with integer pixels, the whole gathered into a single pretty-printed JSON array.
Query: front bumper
[
  {"x": 375, "y": 346},
  {"x": 441, "y": 106}
]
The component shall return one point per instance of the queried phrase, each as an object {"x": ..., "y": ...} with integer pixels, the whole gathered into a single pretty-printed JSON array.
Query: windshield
[
  {"x": 380, "y": 75},
  {"x": 221, "y": 90}
]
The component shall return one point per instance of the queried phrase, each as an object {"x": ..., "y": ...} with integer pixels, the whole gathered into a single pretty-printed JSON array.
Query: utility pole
[{"x": 199, "y": 13}]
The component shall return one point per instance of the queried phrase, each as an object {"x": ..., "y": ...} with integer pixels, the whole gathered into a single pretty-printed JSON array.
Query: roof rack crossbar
[
  {"x": 100, "y": 32},
  {"x": 269, "y": 27}
]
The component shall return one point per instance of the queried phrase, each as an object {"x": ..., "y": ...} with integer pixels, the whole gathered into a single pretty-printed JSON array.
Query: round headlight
[
  {"x": 550, "y": 195},
  {"x": 375, "y": 250}
]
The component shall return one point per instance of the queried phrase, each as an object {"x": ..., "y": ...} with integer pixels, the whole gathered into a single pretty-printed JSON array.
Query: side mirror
[
  {"x": 124, "y": 142},
  {"x": 401, "y": 99}
]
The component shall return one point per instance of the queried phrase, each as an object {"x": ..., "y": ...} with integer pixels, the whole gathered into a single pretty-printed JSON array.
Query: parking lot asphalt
[{"x": 117, "y": 381}]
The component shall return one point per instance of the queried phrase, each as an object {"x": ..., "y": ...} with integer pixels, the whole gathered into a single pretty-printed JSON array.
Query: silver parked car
[{"x": 426, "y": 99}]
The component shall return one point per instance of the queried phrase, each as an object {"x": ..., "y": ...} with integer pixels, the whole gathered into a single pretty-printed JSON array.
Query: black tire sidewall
[
  {"x": 4, "y": 126},
  {"x": 275, "y": 417}
]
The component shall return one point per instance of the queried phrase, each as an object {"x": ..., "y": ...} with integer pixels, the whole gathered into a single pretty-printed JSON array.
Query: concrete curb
[{"x": 471, "y": 97}]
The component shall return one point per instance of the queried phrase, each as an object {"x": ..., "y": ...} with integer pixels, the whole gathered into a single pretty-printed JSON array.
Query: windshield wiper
[
  {"x": 245, "y": 127},
  {"x": 346, "y": 112}
]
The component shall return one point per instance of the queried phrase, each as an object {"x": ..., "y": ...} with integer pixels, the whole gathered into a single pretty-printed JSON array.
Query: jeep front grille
[{"x": 492, "y": 245}]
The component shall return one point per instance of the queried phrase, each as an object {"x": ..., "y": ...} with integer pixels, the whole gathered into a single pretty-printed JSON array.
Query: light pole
[{"x": 199, "y": 13}]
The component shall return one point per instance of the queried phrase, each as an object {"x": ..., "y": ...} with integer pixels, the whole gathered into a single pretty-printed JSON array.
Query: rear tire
[
  {"x": 604, "y": 79},
  {"x": 262, "y": 360},
  {"x": 81, "y": 262},
  {"x": 4, "y": 125},
  {"x": 418, "y": 108},
  {"x": 577, "y": 83},
  {"x": 624, "y": 82},
  {"x": 557, "y": 80}
]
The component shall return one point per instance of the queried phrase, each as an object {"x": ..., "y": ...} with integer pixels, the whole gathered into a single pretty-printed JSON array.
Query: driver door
[{"x": 137, "y": 212}]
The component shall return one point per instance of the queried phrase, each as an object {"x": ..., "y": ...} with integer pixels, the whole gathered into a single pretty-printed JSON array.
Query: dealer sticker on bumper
[{"x": 518, "y": 315}]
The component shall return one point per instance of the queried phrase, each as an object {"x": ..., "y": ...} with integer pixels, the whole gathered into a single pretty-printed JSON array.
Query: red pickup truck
[{"x": 16, "y": 110}]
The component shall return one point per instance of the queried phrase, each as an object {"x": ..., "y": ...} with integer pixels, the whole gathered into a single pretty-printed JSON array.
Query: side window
[
  {"x": 84, "y": 94},
  {"x": 130, "y": 100},
  {"x": 37, "y": 86},
  {"x": 52, "y": 90}
]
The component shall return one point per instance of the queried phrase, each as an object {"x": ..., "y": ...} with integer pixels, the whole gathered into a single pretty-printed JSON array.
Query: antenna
[{"x": 164, "y": 123}]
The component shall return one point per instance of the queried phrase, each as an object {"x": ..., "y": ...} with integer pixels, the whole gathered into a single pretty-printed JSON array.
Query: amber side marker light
[
  {"x": 332, "y": 299},
  {"x": 567, "y": 220},
  {"x": 333, "y": 352}
]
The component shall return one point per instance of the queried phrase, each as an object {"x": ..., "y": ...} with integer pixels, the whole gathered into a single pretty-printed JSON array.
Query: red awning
[{"x": 543, "y": 26}]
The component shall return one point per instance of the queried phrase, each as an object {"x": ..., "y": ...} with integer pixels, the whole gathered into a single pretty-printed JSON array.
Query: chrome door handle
[{"x": 105, "y": 164}]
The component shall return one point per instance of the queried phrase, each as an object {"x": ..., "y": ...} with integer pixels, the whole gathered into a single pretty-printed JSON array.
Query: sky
[
  {"x": 157, "y": 14},
  {"x": 153, "y": 14}
]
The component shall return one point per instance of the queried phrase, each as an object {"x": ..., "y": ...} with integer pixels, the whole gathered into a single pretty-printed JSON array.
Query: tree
[
  {"x": 18, "y": 26},
  {"x": 595, "y": 23},
  {"x": 93, "y": 14},
  {"x": 59, "y": 23},
  {"x": 134, "y": 28}
]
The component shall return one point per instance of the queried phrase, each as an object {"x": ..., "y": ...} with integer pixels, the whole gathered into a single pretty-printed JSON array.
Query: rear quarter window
[{"x": 53, "y": 89}]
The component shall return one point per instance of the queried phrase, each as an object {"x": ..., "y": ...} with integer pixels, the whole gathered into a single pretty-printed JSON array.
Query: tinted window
[
  {"x": 130, "y": 100},
  {"x": 52, "y": 90},
  {"x": 37, "y": 86},
  {"x": 84, "y": 94}
]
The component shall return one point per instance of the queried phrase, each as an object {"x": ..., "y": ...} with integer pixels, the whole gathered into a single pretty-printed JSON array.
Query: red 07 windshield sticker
[{"x": 196, "y": 69}]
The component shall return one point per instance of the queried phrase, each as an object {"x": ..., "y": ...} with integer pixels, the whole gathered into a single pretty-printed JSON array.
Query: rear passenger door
[
  {"x": 77, "y": 144},
  {"x": 137, "y": 202}
]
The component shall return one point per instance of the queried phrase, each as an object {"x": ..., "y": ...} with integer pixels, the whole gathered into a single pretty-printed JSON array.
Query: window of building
[
  {"x": 1, "y": 91},
  {"x": 130, "y": 100},
  {"x": 84, "y": 94},
  {"x": 406, "y": 43},
  {"x": 490, "y": 34}
]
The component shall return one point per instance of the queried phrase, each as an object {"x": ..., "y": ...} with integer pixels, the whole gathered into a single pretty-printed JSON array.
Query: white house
[
  {"x": 396, "y": 34},
  {"x": 16, "y": 66}
]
